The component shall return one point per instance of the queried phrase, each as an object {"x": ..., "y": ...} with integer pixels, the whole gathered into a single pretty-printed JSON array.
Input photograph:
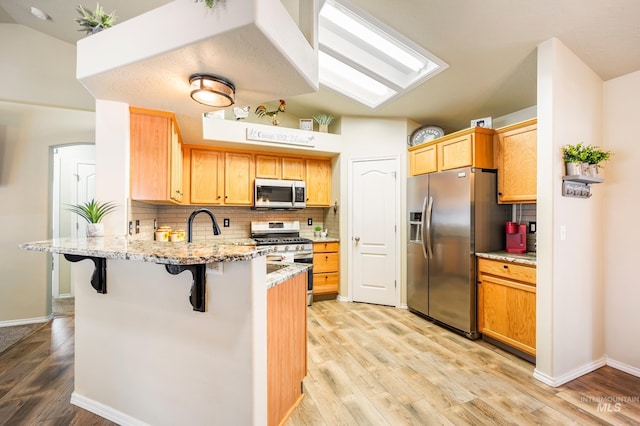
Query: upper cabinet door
[
  {"x": 517, "y": 163},
  {"x": 207, "y": 177},
  {"x": 293, "y": 168},
  {"x": 155, "y": 152},
  {"x": 239, "y": 177},
  {"x": 268, "y": 167},
  {"x": 318, "y": 183}
]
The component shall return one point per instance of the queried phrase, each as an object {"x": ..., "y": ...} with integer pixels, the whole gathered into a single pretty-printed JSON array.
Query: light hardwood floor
[{"x": 368, "y": 365}]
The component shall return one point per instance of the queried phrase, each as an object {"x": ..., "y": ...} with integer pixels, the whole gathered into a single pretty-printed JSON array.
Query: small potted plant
[
  {"x": 595, "y": 156},
  {"x": 316, "y": 231},
  {"x": 93, "y": 22},
  {"x": 210, "y": 3},
  {"x": 323, "y": 121},
  {"x": 574, "y": 156},
  {"x": 93, "y": 212}
]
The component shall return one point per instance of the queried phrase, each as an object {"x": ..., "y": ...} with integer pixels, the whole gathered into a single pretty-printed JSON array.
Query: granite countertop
[
  {"x": 282, "y": 271},
  {"x": 173, "y": 253},
  {"x": 324, "y": 239},
  {"x": 528, "y": 258}
]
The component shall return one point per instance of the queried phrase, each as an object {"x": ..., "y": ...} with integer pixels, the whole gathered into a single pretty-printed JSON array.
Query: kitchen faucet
[{"x": 216, "y": 228}]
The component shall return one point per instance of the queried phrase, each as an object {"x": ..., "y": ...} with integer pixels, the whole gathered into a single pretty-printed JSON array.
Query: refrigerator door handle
[
  {"x": 429, "y": 212},
  {"x": 423, "y": 227}
]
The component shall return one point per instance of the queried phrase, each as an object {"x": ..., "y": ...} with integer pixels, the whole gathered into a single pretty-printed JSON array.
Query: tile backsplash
[
  {"x": 526, "y": 213},
  {"x": 240, "y": 219}
]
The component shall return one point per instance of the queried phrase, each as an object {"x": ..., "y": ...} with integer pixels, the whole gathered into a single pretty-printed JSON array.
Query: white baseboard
[
  {"x": 342, "y": 299},
  {"x": 567, "y": 377},
  {"x": 403, "y": 306},
  {"x": 635, "y": 371},
  {"x": 105, "y": 411},
  {"x": 26, "y": 321}
]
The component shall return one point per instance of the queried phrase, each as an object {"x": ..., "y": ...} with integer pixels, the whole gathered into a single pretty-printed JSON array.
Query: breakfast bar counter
[{"x": 145, "y": 355}]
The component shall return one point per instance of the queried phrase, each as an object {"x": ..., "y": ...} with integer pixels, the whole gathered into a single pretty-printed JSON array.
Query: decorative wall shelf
[{"x": 578, "y": 186}]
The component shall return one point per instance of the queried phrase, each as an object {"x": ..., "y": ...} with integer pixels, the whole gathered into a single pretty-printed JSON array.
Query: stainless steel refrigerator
[{"x": 452, "y": 215}]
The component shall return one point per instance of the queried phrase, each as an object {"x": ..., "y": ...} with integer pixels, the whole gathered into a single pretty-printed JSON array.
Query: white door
[
  {"x": 375, "y": 210},
  {"x": 85, "y": 191}
]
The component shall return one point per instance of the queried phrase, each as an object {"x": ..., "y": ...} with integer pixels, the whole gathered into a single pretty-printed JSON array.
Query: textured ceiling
[{"x": 490, "y": 46}]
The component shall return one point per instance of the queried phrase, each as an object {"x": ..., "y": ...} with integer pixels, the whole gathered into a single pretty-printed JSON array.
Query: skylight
[{"x": 363, "y": 59}]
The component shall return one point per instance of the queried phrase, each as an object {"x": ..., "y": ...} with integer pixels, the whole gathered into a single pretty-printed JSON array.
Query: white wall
[
  {"x": 26, "y": 134},
  {"x": 621, "y": 205},
  {"x": 112, "y": 162},
  {"x": 38, "y": 71},
  {"x": 371, "y": 138},
  {"x": 570, "y": 326}
]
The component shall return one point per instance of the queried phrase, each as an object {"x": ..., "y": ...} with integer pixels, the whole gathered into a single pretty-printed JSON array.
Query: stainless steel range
[{"x": 284, "y": 238}]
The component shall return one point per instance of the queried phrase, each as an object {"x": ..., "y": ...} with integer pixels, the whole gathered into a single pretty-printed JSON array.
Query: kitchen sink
[{"x": 273, "y": 267}]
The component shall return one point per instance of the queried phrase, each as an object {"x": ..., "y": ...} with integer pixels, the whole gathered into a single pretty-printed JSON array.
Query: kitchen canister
[{"x": 162, "y": 233}]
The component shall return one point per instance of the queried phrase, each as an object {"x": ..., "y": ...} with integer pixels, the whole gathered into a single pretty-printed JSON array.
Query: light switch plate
[{"x": 309, "y": 221}]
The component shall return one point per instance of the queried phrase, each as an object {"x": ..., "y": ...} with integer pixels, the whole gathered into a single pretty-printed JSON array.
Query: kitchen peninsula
[{"x": 152, "y": 347}]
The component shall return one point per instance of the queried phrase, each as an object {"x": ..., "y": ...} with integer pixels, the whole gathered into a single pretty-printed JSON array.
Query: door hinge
[{"x": 395, "y": 284}]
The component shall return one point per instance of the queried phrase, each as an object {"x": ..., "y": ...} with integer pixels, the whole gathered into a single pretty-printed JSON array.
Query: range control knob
[{"x": 286, "y": 248}]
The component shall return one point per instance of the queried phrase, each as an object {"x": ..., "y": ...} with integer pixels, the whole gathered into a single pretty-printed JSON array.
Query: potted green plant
[
  {"x": 323, "y": 121},
  {"x": 210, "y": 3},
  {"x": 93, "y": 212},
  {"x": 93, "y": 22},
  {"x": 596, "y": 155},
  {"x": 316, "y": 231},
  {"x": 573, "y": 157}
]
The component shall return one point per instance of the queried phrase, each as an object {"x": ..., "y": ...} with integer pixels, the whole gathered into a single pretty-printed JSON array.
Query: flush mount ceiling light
[
  {"x": 364, "y": 59},
  {"x": 212, "y": 90}
]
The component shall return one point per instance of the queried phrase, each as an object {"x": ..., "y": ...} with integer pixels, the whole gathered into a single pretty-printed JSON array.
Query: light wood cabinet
[
  {"x": 516, "y": 155},
  {"x": 294, "y": 168},
  {"x": 286, "y": 346},
  {"x": 207, "y": 177},
  {"x": 326, "y": 259},
  {"x": 424, "y": 160},
  {"x": 467, "y": 148},
  {"x": 220, "y": 178},
  {"x": 238, "y": 178},
  {"x": 507, "y": 303},
  {"x": 318, "y": 182},
  {"x": 276, "y": 167},
  {"x": 216, "y": 176},
  {"x": 155, "y": 156}
]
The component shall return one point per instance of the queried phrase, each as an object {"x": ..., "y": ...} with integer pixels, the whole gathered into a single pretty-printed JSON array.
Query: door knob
[{"x": 357, "y": 239}]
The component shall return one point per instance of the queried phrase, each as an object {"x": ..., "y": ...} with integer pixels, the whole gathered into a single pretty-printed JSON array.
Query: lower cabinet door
[{"x": 507, "y": 312}]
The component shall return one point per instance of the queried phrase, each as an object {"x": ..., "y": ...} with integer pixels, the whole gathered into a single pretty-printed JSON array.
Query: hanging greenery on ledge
[
  {"x": 210, "y": 3},
  {"x": 93, "y": 22}
]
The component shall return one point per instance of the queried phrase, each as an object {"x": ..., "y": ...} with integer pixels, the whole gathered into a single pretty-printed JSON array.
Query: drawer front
[
  {"x": 325, "y": 262},
  {"x": 325, "y": 247},
  {"x": 508, "y": 270},
  {"x": 325, "y": 283}
]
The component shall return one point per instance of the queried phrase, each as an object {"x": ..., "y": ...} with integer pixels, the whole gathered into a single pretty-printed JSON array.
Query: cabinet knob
[
  {"x": 499, "y": 193},
  {"x": 505, "y": 266},
  {"x": 226, "y": 196},
  {"x": 218, "y": 197}
]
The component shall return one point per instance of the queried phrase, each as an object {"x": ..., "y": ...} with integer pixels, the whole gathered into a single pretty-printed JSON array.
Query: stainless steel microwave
[{"x": 280, "y": 194}]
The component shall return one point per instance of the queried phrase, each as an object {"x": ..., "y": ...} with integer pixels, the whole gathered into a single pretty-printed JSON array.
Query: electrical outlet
[
  {"x": 130, "y": 228},
  {"x": 137, "y": 226},
  {"x": 226, "y": 223},
  {"x": 309, "y": 221},
  {"x": 532, "y": 227}
]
